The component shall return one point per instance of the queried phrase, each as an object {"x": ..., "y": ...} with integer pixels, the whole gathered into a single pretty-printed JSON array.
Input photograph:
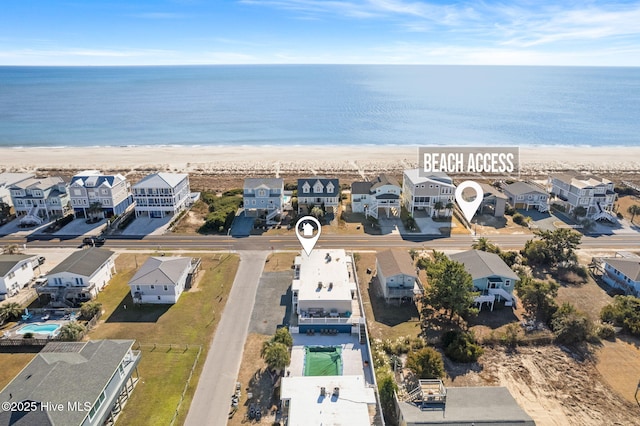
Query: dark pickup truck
[{"x": 93, "y": 241}]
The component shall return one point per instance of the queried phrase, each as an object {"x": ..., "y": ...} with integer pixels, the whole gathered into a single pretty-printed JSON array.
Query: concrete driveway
[
  {"x": 242, "y": 225},
  {"x": 212, "y": 399}
]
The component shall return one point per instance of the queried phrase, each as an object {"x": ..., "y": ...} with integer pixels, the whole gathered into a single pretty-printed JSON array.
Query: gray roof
[
  {"x": 83, "y": 262},
  {"x": 38, "y": 183},
  {"x": 161, "y": 180},
  {"x": 361, "y": 187},
  {"x": 395, "y": 262},
  {"x": 384, "y": 179},
  {"x": 415, "y": 177},
  {"x": 8, "y": 179},
  {"x": 9, "y": 261},
  {"x": 253, "y": 183},
  {"x": 491, "y": 191},
  {"x": 488, "y": 405},
  {"x": 161, "y": 271},
  {"x": 520, "y": 188},
  {"x": 481, "y": 264},
  {"x": 629, "y": 267},
  {"x": 580, "y": 180},
  {"x": 79, "y": 373}
]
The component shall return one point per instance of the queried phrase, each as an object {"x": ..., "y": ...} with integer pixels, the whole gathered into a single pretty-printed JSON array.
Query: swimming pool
[
  {"x": 37, "y": 328},
  {"x": 323, "y": 361}
]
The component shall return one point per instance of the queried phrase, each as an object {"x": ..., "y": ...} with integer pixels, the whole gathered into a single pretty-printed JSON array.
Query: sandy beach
[{"x": 247, "y": 160}]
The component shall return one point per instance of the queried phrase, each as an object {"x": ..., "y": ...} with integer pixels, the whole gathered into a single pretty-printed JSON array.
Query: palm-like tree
[
  {"x": 449, "y": 206},
  {"x": 276, "y": 355},
  {"x": 438, "y": 206},
  {"x": 94, "y": 210},
  {"x": 633, "y": 210},
  {"x": 9, "y": 311}
]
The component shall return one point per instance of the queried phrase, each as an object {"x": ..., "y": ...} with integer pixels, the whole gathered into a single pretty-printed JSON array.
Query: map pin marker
[
  {"x": 307, "y": 239},
  {"x": 469, "y": 208}
]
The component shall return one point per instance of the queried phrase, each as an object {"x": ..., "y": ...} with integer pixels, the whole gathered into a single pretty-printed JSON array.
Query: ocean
[{"x": 319, "y": 104}]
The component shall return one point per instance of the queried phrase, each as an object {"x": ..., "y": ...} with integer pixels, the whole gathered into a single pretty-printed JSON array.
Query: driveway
[
  {"x": 212, "y": 399},
  {"x": 273, "y": 303},
  {"x": 145, "y": 225},
  {"x": 242, "y": 225}
]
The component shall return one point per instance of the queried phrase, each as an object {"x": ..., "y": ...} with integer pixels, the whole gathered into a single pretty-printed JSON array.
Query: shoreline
[{"x": 294, "y": 159}]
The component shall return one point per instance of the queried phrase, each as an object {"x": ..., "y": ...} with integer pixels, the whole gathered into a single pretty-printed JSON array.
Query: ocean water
[{"x": 319, "y": 104}]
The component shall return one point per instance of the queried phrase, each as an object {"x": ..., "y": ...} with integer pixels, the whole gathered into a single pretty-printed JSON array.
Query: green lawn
[{"x": 187, "y": 325}]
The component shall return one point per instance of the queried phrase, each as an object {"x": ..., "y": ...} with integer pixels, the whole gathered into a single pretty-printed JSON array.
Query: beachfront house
[
  {"x": 318, "y": 192},
  {"x": 16, "y": 272},
  {"x": 593, "y": 193},
  {"x": 6, "y": 181},
  {"x": 431, "y": 403},
  {"x": 73, "y": 384},
  {"x": 623, "y": 273},
  {"x": 397, "y": 276},
  {"x": 162, "y": 279},
  {"x": 379, "y": 195},
  {"x": 79, "y": 277},
  {"x": 263, "y": 197},
  {"x": 431, "y": 193},
  {"x": 36, "y": 199},
  {"x": 491, "y": 276},
  {"x": 161, "y": 194},
  {"x": 526, "y": 195},
  {"x": 493, "y": 201},
  {"x": 96, "y": 195}
]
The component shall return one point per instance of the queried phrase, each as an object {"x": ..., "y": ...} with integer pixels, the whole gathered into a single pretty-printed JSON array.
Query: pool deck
[{"x": 34, "y": 320}]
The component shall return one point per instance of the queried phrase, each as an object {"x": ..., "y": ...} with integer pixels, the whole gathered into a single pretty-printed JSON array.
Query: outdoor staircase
[
  {"x": 510, "y": 300},
  {"x": 603, "y": 214},
  {"x": 273, "y": 214},
  {"x": 363, "y": 334},
  {"x": 32, "y": 216},
  {"x": 413, "y": 395}
]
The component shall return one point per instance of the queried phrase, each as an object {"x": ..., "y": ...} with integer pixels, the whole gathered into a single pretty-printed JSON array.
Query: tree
[
  {"x": 449, "y": 207},
  {"x": 571, "y": 326},
  {"x": 461, "y": 346},
  {"x": 5, "y": 211},
  {"x": 623, "y": 312},
  {"x": 483, "y": 244},
  {"x": 579, "y": 212},
  {"x": 90, "y": 309},
  {"x": 386, "y": 388},
  {"x": 71, "y": 331},
  {"x": 438, "y": 206},
  {"x": 317, "y": 212},
  {"x": 276, "y": 356},
  {"x": 10, "y": 311},
  {"x": 283, "y": 336},
  {"x": 451, "y": 286},
  {"x": 556, "y": 247},
  {"x": 94, "y": 210},
  {"x": 537, "y": 297},
  {"x": 426, "y": 363},
  {"x": 633, "y": 210}
]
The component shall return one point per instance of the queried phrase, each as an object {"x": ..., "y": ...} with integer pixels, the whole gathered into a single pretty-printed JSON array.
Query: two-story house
[
  {"x": 491, "y": 276},
  {"x": 623, "y": 273},
  {"x": 397, "y": 276},
  {"x": 80, "y": 276},
  {"x": 318, "y": 192},
  {"x": 593, "y": 193},
  {"x": 427, "y": 192},
  {"x": 73, "y": 384},
  {"x": 162, "y": 279},
  {"x": 6, "y": 181},
  {"x": 161, "y": 194},
  {"x": 263, "y": 196},
  {"x": 16, "y": 271},
  {"x": 35, "y": 199},
  {"x": 111, "y": 193},
  {"x": 380, "y": 194},
  {"x": 526, "y": 195}
]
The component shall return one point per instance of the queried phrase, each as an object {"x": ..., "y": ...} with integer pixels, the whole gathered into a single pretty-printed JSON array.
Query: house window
[
  {"x": 159, "y": 298},
  {"x": 79, "y": 281},
  {"x": 507, "y": 283},
  {"x": 57, "y": 281},
  {"x": 166, "y": 288},
  {"x": 153, "y": 286},
  {"x": 11, "y": 275},
  {"x": 137, "y": 288},
  {"x": 262, "y": 193},
  {"x": 97, "y": 405}
]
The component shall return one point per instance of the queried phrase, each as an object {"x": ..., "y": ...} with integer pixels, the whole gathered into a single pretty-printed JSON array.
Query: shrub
[
  {"x": 89, "y": 309},
  {"x": 426, "y": 363},
  {"x": 283, "y": 336},
  {"x": 606, "y": 331},
  {"x": 508, "y": 210},
  {"x": 571, "y": 326},
  {"x": 511, "y": 335},
  {"x": 71, "y": 331},
  {"x": 623, "y": 312},
  {"x": 461, "y": 346},
  {"x": 519, "y": 219},
  {"x": 28, "y": 335}
]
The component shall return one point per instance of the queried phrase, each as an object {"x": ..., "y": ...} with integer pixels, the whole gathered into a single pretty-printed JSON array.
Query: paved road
[{"x": 212, "y": 400}]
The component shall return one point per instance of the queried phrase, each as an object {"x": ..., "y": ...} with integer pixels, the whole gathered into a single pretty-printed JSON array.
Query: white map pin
[
  {"x": 469, "y": 208},
  {"x": 307, "y": 239}
]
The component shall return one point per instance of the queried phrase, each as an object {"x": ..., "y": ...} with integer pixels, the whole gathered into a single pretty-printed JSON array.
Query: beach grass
[{"x": 169, "y": 336}]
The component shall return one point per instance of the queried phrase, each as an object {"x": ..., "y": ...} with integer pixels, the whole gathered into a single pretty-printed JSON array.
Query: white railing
[{"x": 324, "y": 320}]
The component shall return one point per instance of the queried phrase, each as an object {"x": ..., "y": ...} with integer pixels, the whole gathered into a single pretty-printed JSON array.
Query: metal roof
[
  {"x": 161, "y": 271},
  {"x": 83, "y": 262}
]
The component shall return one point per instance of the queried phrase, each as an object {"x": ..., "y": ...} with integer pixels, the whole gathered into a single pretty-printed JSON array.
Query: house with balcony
[
  {"x": 40, "y": 199},
  {"x": 79, "y": 277},
  {"x": 163, "y": 279},
  {"x": 161, "y": 194},
  {"x": 73, "y": 384},
  {"x": 318, "y": 192},
  {"x": 622, "y": 273},
  {"x": 491, "y": 276},
  {"x": 16, "y": 272},
  {"x": 595, "y": 194},
  {"x": 527, "y": 195},
  {"x": 493, "y": 201},
  {"x": 427, "y": 193},
  {"x": 397, "y": 276},
  {"x": 379, "y": 195},
  {"x": 109, "y": 194},
  {"x": 263, "y": 197},
  {"x": 6, "y": 181}
]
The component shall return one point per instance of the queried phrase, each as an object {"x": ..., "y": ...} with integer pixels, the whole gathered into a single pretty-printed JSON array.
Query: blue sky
[{"x": 138, "y": 32}]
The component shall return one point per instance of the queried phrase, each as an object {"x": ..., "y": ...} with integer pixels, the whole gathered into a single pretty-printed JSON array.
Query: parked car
[
  {"x": 41, "y": 260},
  {"x": 93, "y": 241}
]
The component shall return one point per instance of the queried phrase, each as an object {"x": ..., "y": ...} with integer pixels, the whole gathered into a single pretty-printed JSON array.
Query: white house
[
  {"x": 6, "y": 181},
  {"x": 593, "y": 193},
  {"x": 161, "y": 279},
  {"x": 16, "y": 272},
  {"x": 73, "y": 384},
  {"x": 80, "y": 276},
  {"x": 111, "y": 192},
  {"x": 380, "y": 194},
  {"x": 425, "y": 192},
  {"x": 318, "y": 192},
  {"x": 263, "y": 196},
  {"x": 623, "y": 273},
  {"x": 526, "y": 195},
  {"x": 35, "y": 199},
  {"x": 397, "y": 276},
  {"x": 161, "y": 194}
]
